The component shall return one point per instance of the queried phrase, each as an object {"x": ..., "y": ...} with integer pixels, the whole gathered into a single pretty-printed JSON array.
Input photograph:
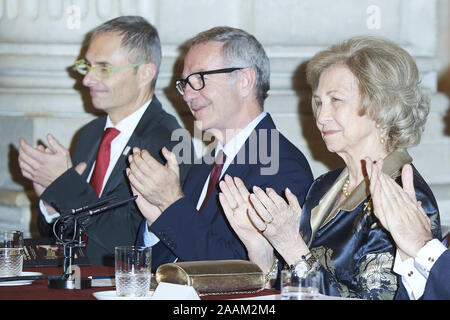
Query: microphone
[
  {"x": 89, "y": 206},
  {"x": 104, "y": 208},
  {"x": 74, "y": 215}
]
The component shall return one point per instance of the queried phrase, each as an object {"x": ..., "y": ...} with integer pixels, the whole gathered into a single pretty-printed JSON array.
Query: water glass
[
  {"x": 11, "y": 253},
  {"x": 299, "y": 287},
  {"x": 133, "y": 271}
]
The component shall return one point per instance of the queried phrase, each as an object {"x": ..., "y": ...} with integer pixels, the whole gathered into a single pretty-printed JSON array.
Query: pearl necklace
[{"x": 345, "y": 187}]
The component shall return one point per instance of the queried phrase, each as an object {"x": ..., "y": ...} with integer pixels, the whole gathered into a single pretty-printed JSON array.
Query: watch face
[{"x": 301, "y": 268}]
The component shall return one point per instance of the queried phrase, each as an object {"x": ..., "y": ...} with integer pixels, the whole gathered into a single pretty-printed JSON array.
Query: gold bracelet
[{"x": 273, "y": 270}]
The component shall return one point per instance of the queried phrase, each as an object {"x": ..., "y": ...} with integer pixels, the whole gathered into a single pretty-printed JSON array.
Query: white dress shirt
[
  {"x": 230, "y": 150},
  {"x": 414, "y": 272},
  {"x": 118, "y": 146}
]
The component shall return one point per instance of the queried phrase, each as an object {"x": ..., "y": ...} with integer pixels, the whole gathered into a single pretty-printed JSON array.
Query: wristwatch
[{"x": 304, "y": 265}]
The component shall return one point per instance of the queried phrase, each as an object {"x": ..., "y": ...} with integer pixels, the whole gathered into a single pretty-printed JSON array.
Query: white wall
[{"x": 40, "y": 39}]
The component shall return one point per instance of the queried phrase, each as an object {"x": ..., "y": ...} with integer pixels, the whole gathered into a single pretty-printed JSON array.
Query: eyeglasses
[
  {"x": 83, "y": 67},
  {"x": 197, "y": 81}
]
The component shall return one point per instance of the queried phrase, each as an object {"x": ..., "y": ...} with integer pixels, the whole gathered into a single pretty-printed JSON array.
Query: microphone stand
[{"x": 70, "y": 278}]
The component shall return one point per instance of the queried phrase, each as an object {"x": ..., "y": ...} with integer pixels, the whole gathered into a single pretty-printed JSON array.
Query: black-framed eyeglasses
[{"x": 196, "y": 80}]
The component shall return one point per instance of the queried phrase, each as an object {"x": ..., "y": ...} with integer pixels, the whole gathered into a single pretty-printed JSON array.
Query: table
[{"x": 39, "y": 290}]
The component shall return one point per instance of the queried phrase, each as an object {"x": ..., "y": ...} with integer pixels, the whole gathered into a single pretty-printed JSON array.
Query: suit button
[{"x": 171, "y": 244}]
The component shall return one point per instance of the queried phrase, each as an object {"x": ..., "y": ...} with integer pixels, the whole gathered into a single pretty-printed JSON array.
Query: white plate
[
  {"x": 111, "y": 295},
  {"x": 21, "y": 282}
]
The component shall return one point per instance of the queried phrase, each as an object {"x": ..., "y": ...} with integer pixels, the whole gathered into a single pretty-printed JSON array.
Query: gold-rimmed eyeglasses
[{"x": 83, "y": 67}]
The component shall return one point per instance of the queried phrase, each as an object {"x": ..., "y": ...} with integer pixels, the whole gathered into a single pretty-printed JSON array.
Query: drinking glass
[
  {"x": 11, "y": 253},
  {"x": 132, "y": 271},
  {"x": 299, "y": 287}
]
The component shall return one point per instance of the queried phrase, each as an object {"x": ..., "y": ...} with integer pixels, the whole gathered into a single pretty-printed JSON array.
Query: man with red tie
[
  {"x": 225, "y": 82},
  {"x": 120, "y": 69}
]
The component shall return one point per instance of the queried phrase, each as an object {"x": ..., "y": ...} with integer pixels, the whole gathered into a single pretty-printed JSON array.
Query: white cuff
[
  {"x": 48, "y": 218},
  {"x": 427, "y": 256},
  {"x": 412, "y": 279},
  {"x": 150, "y": 239}
]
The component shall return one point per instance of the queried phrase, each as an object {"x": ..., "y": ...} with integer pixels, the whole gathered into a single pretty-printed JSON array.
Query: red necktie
[
  {"x": 214, "y": 176},
  {"x": 102, "y": 162}
]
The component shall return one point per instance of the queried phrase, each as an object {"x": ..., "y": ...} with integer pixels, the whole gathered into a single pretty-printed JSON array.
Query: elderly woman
[{"x": 368, "y": 105}]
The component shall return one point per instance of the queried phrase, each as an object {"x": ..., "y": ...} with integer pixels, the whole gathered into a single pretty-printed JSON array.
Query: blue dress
[{"x": 355, "y": 252}]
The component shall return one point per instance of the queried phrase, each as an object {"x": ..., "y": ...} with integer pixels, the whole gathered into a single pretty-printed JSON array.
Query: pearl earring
[{"x": 382, "y": 139}]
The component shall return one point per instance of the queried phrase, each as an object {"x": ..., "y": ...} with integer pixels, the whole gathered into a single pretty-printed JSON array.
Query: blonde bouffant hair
[{"x": 389, "y": 85}]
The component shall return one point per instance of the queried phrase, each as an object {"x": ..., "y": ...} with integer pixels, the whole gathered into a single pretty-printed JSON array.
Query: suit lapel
[
  {"x": 90, "y": 150},
  {"x": 142, "y": 131},
  {"x": 243, "y": 160},
  {"x": 116, "y": 175},
  {"x": 238, "y": 167},
  {"x": 196, "y": 180}
]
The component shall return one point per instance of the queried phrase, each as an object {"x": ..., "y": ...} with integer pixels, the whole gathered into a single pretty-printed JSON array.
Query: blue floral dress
[{"x": 355, "y": 252}]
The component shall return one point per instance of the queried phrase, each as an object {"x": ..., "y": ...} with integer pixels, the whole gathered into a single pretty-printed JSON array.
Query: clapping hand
[
  {"x": 158, "y": 184},
  {"x": 278, "y": 220},
  {"x": 398, "y": 209},
  {"x": 234, "y": 199},
  {"x": 43, "y": 165}
]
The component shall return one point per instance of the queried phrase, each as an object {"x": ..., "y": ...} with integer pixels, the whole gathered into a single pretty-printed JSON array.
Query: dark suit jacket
[
  {"x": 117, "y": 226},
  {"x": 190, "y": 235},
  {"x": 438, "y": 283}
]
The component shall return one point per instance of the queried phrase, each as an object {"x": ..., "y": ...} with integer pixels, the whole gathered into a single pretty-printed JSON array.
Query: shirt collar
[
  {"x": 128, "y": 124},
  {"x": 235, "y": 144}
]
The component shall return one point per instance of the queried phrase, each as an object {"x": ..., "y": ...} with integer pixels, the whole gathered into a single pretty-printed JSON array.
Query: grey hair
[
  {"x": 140, "y": 38},
  {"x": 389, "y": 85},
  {"x": 241, "y": 49}
]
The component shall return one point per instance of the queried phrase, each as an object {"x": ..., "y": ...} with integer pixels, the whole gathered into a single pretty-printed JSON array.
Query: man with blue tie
[
  {"x": 225, "y": 82},
  {"x": 120, "y": 69}
]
